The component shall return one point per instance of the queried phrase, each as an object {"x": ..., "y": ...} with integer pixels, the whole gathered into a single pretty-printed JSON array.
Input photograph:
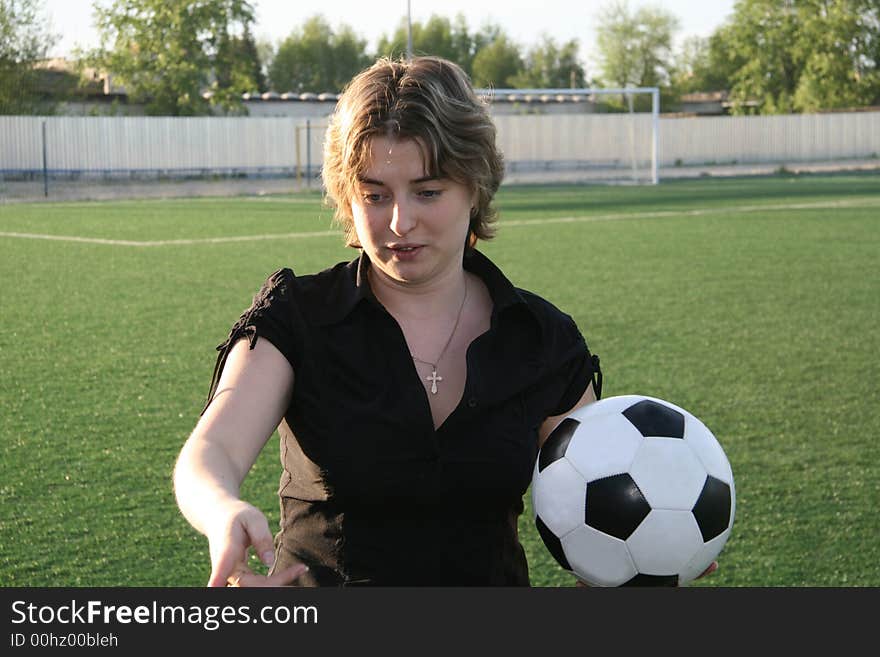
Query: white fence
[
  {"x": 128, "y": 146},
  {"x": 756, "y": 139},
  {"x": 114, "y": 146},
  {"x": 578, "y": 140}
]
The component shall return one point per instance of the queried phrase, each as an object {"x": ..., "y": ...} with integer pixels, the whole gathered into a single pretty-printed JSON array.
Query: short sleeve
[
  {"x": 578, "y": 371},
  {"x": 575, "y": 367},
  {"x": 273, "y": 315}
]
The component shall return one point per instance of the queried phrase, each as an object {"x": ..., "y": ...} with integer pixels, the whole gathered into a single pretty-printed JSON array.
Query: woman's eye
[
  {"x": 372, "y": 197},
  {"x": 429, "y": 193}
]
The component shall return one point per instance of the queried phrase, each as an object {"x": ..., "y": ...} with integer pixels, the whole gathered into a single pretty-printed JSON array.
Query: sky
[{"x": 525, "y": 21}]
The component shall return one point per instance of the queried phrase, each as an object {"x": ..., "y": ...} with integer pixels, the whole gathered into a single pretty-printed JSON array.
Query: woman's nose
[{"x": 402, "y": 218}]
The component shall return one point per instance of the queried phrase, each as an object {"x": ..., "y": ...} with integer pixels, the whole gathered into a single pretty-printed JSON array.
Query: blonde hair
[{"x": 427, "y": 99}]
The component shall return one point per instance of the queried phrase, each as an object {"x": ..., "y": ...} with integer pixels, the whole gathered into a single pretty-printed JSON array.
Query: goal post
[
  {"x": 308, "y": 150},
  {"x": 568, "y": 138}
]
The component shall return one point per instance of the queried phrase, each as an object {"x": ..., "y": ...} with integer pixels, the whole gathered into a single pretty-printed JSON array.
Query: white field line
[
  {"x": 172, "y": 200},
  {"x": 203, "y": 240},
  {"x": 735, "y": 209}
]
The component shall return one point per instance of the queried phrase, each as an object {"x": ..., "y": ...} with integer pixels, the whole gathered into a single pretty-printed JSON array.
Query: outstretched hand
[{"x": 245, "y": 528}]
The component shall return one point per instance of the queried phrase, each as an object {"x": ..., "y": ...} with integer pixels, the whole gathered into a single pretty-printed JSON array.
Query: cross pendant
[{"x": 433, "y": 379}]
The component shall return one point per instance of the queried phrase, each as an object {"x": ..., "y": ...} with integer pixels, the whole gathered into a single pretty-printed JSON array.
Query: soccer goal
[{"x": 569, "y": 135}]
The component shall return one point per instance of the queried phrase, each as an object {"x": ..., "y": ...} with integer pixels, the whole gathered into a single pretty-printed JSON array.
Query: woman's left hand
[{"x": 711, "y": 569}]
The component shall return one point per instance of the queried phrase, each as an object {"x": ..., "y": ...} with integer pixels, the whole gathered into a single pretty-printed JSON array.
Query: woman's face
[{"x": 412, "y": 226}]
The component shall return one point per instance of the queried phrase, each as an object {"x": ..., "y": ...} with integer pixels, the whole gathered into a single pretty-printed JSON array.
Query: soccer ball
[{"x": 633, "y": 490}]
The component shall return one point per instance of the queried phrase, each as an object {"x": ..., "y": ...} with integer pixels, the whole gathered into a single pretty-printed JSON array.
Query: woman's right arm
[{"x": 251, "y": 397}]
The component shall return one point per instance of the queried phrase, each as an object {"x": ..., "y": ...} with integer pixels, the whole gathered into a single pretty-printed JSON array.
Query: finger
[
  {"x": 711, "y": 569},
  {"x": 246, "y": 578},
  {"x": 261, "y": 539},
  {"x": 240, "y": 572},
  {"x": 289, "y": 575},
  {"x": 223, "y": 568}
]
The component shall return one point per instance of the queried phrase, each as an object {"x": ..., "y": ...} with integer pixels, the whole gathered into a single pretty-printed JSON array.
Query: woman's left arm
[{"x": 550, "y": 423}]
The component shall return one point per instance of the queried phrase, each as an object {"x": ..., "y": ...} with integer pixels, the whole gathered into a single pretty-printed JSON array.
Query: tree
[
  {"x": 805, "y": 55},
  {"x": 464, "y": 45},
  {"x": 497, "y": 64},
  {"x": 488, "y": 55},
  {"x": 635, "y": 48},
  {"x": 707, "y": 64},
  {"x": 316, "y": 58},
  {"x": 166, "y": 53},
  {"x": 764, "y": 34},
  {"x": 441, "y": 37},
  {"x": 25, "y": 39},
  {"x": 548, "y": 65},
  {"x": 237, "y": 55},
  {"x": 438, "y": 37},
  {"x": 266, "y": 51}
]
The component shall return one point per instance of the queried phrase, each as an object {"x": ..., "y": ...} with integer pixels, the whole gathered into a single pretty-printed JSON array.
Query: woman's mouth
[{"x": 405, "y": 252}]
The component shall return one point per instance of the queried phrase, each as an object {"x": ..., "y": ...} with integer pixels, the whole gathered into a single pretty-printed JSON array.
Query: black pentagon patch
[
  {"x": 653, "y": 419},
  {"x": 554, "y": 447},
  {"x": 615, "y": 505},
  {"x": 552, "y": 543},
  {"x": 712, "y": 509},
  {"x": 652, "y": 580}
]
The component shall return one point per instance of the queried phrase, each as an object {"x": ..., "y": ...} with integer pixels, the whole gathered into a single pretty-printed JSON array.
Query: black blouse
[{"x": 370, "y": 492}]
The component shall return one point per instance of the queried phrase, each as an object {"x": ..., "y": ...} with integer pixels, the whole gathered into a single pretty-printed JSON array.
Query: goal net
[{"x": 569, "y": 135}]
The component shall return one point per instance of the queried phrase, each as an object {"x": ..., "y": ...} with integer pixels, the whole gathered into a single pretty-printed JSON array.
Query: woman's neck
[{"x": 440, "y": 297}]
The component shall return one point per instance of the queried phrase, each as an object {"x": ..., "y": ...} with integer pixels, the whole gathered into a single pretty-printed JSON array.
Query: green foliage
[
  {"x": 24, "y": 41},
  {"x": 488, "y": 55},
  {"x": 635, "y": 50},
  {"x": 238, "y": 62},
  {"x": 441, "y": 37},
  {"x": 771, "y": 56},
  {"x": 747, "y": 303},
  {"x": 804, "y": 55},
  {"x": 166, "y": 53},
  {"x": 438, "y": 36},
  {"x": 551, "y": 66},
  {"x": 317, "y": 58},
  {"x": 764, "y": 34},
  {"x": 635, "y": 47},
  {"x": 498, "y": 64},
  {"x": 706, "y": 64}
]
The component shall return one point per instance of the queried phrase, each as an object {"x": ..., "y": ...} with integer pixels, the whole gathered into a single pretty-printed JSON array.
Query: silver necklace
[{"x": 434, "y": 378}]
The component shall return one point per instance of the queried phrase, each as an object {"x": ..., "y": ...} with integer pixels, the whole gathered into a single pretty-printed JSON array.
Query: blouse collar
[{"x": 352, "y": 286}]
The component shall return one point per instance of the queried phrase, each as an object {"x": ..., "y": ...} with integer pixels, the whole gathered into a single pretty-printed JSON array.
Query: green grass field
[{"x": 751, "y": 302}]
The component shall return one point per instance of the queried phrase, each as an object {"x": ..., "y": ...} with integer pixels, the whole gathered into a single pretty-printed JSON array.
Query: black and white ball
[{"x": 633, "y": 490}]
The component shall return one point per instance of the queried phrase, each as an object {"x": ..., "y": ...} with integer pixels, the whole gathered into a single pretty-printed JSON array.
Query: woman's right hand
[
  {"x": 245, "y": 527},
  {"x": 244, "y": 577}
]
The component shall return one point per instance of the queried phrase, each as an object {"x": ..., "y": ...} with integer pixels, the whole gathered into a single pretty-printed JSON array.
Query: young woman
[{"x": 411, "y": 387}]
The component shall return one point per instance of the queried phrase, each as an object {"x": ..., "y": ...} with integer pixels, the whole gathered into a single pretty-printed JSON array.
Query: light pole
[{"x": 409, "y": 48}]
